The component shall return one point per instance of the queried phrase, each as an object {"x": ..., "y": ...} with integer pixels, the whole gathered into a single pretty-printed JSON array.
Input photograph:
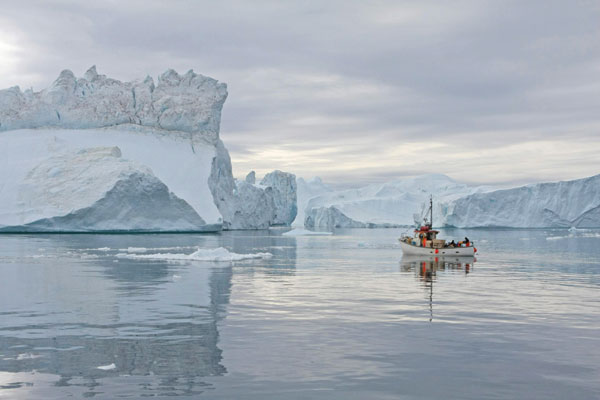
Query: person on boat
[
  {"x": 452, "y": 244},
  {"x": 467, "y": 241}
]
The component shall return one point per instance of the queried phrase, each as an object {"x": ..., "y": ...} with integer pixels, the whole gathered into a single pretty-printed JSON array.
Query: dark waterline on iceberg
[{"x": 341, "y": 316}]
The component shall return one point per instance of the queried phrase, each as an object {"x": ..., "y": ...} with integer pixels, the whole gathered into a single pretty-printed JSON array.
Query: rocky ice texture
[
  {"x": 561, "y": 204},
  {"x": 283, "y": 193},
  {"x": 186, "y": 103},
  {"x": 251, "y": 178},
  {"x": 383, "y": 205},
  {"x": 245, "y": 205}
]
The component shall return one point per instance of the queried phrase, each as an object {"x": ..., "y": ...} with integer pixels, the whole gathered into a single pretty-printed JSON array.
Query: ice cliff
[
  {"x": 379, "y": 205},
  {"x": 97, "y": 154},
  {"x": 558, "y": 204},
  {"x": 404, "y": 202},
  {"x": 248, "y": 205}
]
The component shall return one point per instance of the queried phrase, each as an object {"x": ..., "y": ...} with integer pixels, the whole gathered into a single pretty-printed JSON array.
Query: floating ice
[
  {"x": 304, "y": 232},
  {"x": 107, "y": 367},
  {"x": 219, "y": 254}
]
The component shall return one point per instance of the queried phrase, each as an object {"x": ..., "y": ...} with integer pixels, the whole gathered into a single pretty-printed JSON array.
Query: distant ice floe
[
  {"x": 555, "y": 237},
  {"x": 23, "y": 356},
  {"x": 107, "y": 367},
  {"x": 304, "y": 232},
  {"x": 219, "y": 254}
]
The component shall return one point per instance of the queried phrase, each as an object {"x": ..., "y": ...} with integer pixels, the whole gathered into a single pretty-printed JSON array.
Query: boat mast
[{"x": 431, "y": 210}]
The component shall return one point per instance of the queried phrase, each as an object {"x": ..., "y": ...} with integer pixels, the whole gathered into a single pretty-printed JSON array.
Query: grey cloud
[{"x": 376, "y": 74}]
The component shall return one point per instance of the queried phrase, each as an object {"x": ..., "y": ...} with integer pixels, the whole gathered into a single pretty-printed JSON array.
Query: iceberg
[
  {"x": 569, "y": 204},
  {"x": 97, "y": 154},
  {"x": 283, "y": 192},
  {"x": 250, "y": 205},
  {"x": 564, "y": 204},
  {"x": 390, "y": 204},
  {"x": 306, "y": 190}
]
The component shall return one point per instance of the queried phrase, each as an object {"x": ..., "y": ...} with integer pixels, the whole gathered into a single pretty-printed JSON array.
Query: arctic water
[{"x": 340, "y": 316}]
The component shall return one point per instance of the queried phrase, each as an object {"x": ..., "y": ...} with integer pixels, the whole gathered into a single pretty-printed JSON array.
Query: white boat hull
[{"x": 411, "y": 250}]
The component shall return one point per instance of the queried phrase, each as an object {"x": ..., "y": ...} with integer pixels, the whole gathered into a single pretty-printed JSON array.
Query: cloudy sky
[{"x": 500, "y": 92}]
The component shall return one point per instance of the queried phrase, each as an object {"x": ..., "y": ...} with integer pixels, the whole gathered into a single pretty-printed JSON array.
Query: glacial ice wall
[
  {"x": 544, "y": 205},
  {"x": 380, "y": 205},
  {"x": 189, "y": 103}
]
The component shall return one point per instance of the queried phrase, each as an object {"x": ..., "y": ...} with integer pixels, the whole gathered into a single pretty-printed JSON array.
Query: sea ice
[
  {"x": 107, "y": 367},
  {"x": 304, "y": 232},
  {"x": 219, "y": 254}
]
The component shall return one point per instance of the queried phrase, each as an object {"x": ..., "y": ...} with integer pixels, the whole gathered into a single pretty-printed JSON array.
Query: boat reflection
[{"x": 427, "y": 268}]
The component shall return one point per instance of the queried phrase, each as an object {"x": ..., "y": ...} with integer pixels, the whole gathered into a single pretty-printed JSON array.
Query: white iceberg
[
  {"x": 96, "y": 154},
  {"x": 565, "y": 204},
  {"x": 382, "y": 205},
  {"x": 306, "y": 190}
]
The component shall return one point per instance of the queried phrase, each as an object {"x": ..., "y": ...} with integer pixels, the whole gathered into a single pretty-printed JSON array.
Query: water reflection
[
  {"x": 65, "y": 316},
  {"x": 427, "y": 268}
]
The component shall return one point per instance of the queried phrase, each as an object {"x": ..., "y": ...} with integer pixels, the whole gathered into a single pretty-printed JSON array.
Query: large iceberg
[
  {"x": 544, "y": 205},
  {"x": 405, "y": 202},
  {"x": 382, "y": 205},
  {"x": 97, "y": 154}
]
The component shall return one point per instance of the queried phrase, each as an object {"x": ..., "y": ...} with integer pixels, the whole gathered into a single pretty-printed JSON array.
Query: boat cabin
[{"x": 426, "y": 237}]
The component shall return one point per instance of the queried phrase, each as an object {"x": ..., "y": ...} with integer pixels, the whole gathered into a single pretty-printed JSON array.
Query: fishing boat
[{"x": 425, "y": 242}]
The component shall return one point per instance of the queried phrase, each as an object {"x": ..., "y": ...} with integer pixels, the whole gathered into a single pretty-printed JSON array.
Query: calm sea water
[{"x": 341, "y": 316}]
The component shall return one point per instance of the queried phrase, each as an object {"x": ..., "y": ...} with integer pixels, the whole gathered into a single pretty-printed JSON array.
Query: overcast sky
[{"x": 496, "y": 92}]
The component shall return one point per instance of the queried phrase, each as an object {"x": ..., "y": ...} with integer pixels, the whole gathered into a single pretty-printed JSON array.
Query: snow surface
[
  {"x": 219, "y": 254},
  {"x": 304, "y": 232}
]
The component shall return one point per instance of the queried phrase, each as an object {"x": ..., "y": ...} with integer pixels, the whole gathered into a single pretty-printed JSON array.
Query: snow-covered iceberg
[
  {"x": 380, "y": 205},
  {"x": 573, "y": 203},
  {"x": 403, "y": 202},
  {"x": 97, "y": 154}
]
